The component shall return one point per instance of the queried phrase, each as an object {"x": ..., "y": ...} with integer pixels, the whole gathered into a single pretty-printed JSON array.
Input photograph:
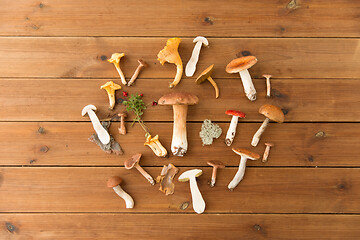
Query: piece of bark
[
  {"x": 112, "y": 147},
  {"x": 165, "y": 179}
]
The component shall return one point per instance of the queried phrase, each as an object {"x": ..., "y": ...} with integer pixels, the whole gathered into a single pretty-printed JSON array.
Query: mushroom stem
[
  {"x": 179, "y": 142},
  {"x": 213, "y": 83},
  {"x": 259, "y": 132},
  {"x": 156, "y": 146},
  {"x": 231, "y": 131},
  {"x": 268, "y": 86},
  {"x": 197, "y": 199},
  {"x": 145, "y": 174},
  {"x": 179, "y": 71},
  {"x": 121, "y": 74},
  {"x": 124, "y": 195},
  {"x": 111, "y": 95},
  {"x": 122, "y": 129},
  {"x": 213, "y": 177},
  {"x": 103, "y": 135},
  {"x": 142, "y": 64},
  {"x": 239, "y": 174},
  {"x": 248, "y": 85},
  {"x": 266, "y": 153},
  {"x": 191, "y": 65}
]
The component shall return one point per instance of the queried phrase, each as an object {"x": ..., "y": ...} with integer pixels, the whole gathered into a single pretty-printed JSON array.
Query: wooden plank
[
  {"x": 301, "y": 18},
  {"x": 86, "y": 57},
  {"x": 62, "y": 100},
  {"x": 272, "y": 190},
  {"x": 180, "y": 226},
  {"x": 299, "y": 144}
]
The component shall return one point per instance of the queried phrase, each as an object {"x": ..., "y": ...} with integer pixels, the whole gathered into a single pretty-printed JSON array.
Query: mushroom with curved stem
[
  {"x": 271, "y": 112},
  {"x": 142, "y": 64},
  {"x": 114, "y": 183},
  {"x": 110, "y": 88},
  {"x": 115, "y": 59},
  {"x": 206, "y": 75},
  {"x": 191, "y": 65},
  {"x": 101, "y": 132},
  {"x": 122, "y": 128},
  {"x": 241, "y": 66},
  {"x": 155, "y": 146},
  {"x": 170, "y": 54},
  {"x": 134, "y": 162},
  {"x": 268, "y": 86},
  {"x": 215, "y": 165},
  {"x": 230, "y": 135},
  {"x": 180, "y": 102},
  {"x": 267, "y": 151},
  {"x": 245, "y": 155},
  {"x": 197, "y": 199}
]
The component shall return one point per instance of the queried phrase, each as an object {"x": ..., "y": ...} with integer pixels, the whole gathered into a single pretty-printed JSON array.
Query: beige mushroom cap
[
  {"x": 179, "y": 98},
  {"x": 131, "y": 162},
  {"x": 113, "y": 181},
  {"x": 240, "y": 64},
  {"x": 205, "y": 74},
  {"x": 244, "y": 152},
  {"x": 272, "y": 112}
]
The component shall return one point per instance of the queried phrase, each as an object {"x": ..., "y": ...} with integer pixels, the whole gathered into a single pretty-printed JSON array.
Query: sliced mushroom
[{"x": 206, "y": 75}]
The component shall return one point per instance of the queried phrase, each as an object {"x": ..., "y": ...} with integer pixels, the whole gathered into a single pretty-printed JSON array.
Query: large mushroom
[
  {"x": 271, "y": 112},
  {"x": 114, "y": 183},
  {"x": 241, "y": 66},
  {"x": 110, "y": 87},
  {"x": 115, "y": 59},
  {"x": 134, "y": 162},
  {"x": 206, "y": 75},
  {"x": 180, "y": 102},
  {"x": 230, "y": 135}
]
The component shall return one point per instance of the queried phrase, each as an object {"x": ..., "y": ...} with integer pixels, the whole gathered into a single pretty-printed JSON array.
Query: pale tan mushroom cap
[
  {"x": 131, "y": 162},
  {"x": 179, "y": 98},
  {"x": 244, "y": 152},
  {"x": 205, "y": 74},
  {"x": 240, "y": 64},
  {"x": 272, "y": 112},
  {"x": 215, "y": 163},
  {"x": 114, "y": 181}
]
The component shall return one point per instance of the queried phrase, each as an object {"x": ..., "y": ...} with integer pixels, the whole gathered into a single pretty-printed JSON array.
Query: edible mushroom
[
  {"x": 245, "y": 155},
  {"x": 101, "y": 132},
  {"x": 122, "y": 128},
  {"x": 110, "y": 88},
  {"x": 142, "y": 64},
  {"x": 241, "y": 66},
  {"x": 134, "y": 162},
  {"x": 230, "y": 135},
  {"x": 215, "y": 165},
  {"x": 268, "y": 86},
  {"x": 115, "y": 59},
  {"x": 271, "y": 112},
  {"x": 267, "y": 151},
  {"x": 191, "y": 65},
  {"x": 197, "y": 199},
  {"x": 206, "y": 75},
  {"x": 180, "y": 102},
  {"x": 156, "y": 146},
  {"x": 114, "y": 183},
  {"x": 170, "y": 54}
]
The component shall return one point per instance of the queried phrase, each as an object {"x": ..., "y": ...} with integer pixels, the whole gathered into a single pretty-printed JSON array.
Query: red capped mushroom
[{"x": 232, "y": 128}]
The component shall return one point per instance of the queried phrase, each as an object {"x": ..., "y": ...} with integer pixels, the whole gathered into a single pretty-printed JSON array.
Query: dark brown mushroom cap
[
  {"x": 114, "y": 181},
  {"x": 205, "y": 74},
  {"x": 240, "y": 64},
  {"x": 272, "y": 112},
  {"x": 178, "y": 98},
  {"x": 216, "y": 164},
  {"x": 131, "y": 162},
  {"x": 244, "y": 152}
]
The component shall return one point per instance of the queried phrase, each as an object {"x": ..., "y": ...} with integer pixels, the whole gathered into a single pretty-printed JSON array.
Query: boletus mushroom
[
  {"x": 180, "y": 102},
  {"x": 114, "y": 183},
  {"x": 115, "y": 59},
  {"x": 271, "y": 112},
  {"x": 110, "y": 88},
  {"x": 170, "y": 54},
  {"x": 245, "y": 155},
  {"x": 206, "y": 75},
  {"x": 134, "y": 162},
  {"x": 230, "y": 135},
  {"x": 241, "y": 66},
  {"x": 215, "y": 165}
]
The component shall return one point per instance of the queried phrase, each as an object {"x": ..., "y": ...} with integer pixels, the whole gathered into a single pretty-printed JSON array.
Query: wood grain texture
[
  {"x": 86, "y": 57},
  {"x": 183, "y": 226},
  {"x": 272, "y": 190},
  {"x": 298, "y": 144},
  {"x": 62, "y": 100},
  {"x": 284, "y": 18}
]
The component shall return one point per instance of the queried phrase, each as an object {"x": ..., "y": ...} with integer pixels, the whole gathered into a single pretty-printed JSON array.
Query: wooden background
[{"x": 53, "y": 61}]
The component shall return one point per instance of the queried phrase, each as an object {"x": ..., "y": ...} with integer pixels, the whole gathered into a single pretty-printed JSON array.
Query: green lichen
[{"x": 209, "y": 131}]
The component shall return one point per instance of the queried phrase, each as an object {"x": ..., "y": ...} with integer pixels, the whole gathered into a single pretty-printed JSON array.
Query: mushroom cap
[
  {"x": 131, "y": 162},
  {"x": 87, "y": 108},
  {"x": 170, "y": 52},
  {"x": 110, "y": 86},
  {"x": 205, "y": 74},
  {"x": 185, "y": 176},
  {"x": 240, "y": 64},
  {"x": 178, "y": 98},
  {"x": 201, "y": 39},
  {"x": 115, "y": 57},
  {"x": 142, "y": 63},
  {"x": 270, "y": 144},
  {"x": 114, "y": 181},
  {"x": 235, "y": 113},
  {"x": 272, "y": 112},
  {"x": 246, "y": 153},
  {"x": 216, "y": 164},
  {"x": 267, "y": 75}
]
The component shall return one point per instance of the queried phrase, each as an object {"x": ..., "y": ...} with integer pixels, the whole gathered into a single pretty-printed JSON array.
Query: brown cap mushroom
[
  {"x": 215, "y": 165},
  {"x": 114, "y": 183},
  {"x": 206, "y": 75},
  {"x": 134, "y": 162}
]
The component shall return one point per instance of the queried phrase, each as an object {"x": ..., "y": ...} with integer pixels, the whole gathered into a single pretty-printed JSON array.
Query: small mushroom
[
  {"x": 110, "y": 88},
  {"x": 197, "y": 199},
  {"x": 230, "y": 135},
  {"x": 241, "y": 66},
  {"x": 245, "y": 155},
  {"x": 122, "y": 128},
  {"x": 267, "y": 151},
  {"x": 156, "y": 146},
  {"x": 101, "y": 132},
  {"x": 166, "y": 176},
  {"x": 170, "y": 54},
  {"x": 191, "y": 65},
  {"x": 134, "y": 162},
  {"x": 268, "y": 87},
  {"x": 206, "y": 75},
  {"x": 271, "y": 112},
  {"x": 215, "y": 165},
  {"x": 142, "y": 64},
  {"x": 180, "y": 102},
  {"x": 114, "y": 183},
  {"x": 115, "y": 59}
]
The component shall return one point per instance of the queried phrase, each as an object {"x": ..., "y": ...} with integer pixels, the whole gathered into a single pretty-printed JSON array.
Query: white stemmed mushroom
[
  {"x": 232, "y": 128},
  {"x": 101, "y": 132},
  {"x": 241, "y": 66},
  {"x": 197, "y": 199},
  {"x": 180, "y": 102},
  {"x": 114, "y": 183},
  {"x": 191, "y": 65},
  {"x": 268, "y": 86},
  {"x": 245, "y": 155}
]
